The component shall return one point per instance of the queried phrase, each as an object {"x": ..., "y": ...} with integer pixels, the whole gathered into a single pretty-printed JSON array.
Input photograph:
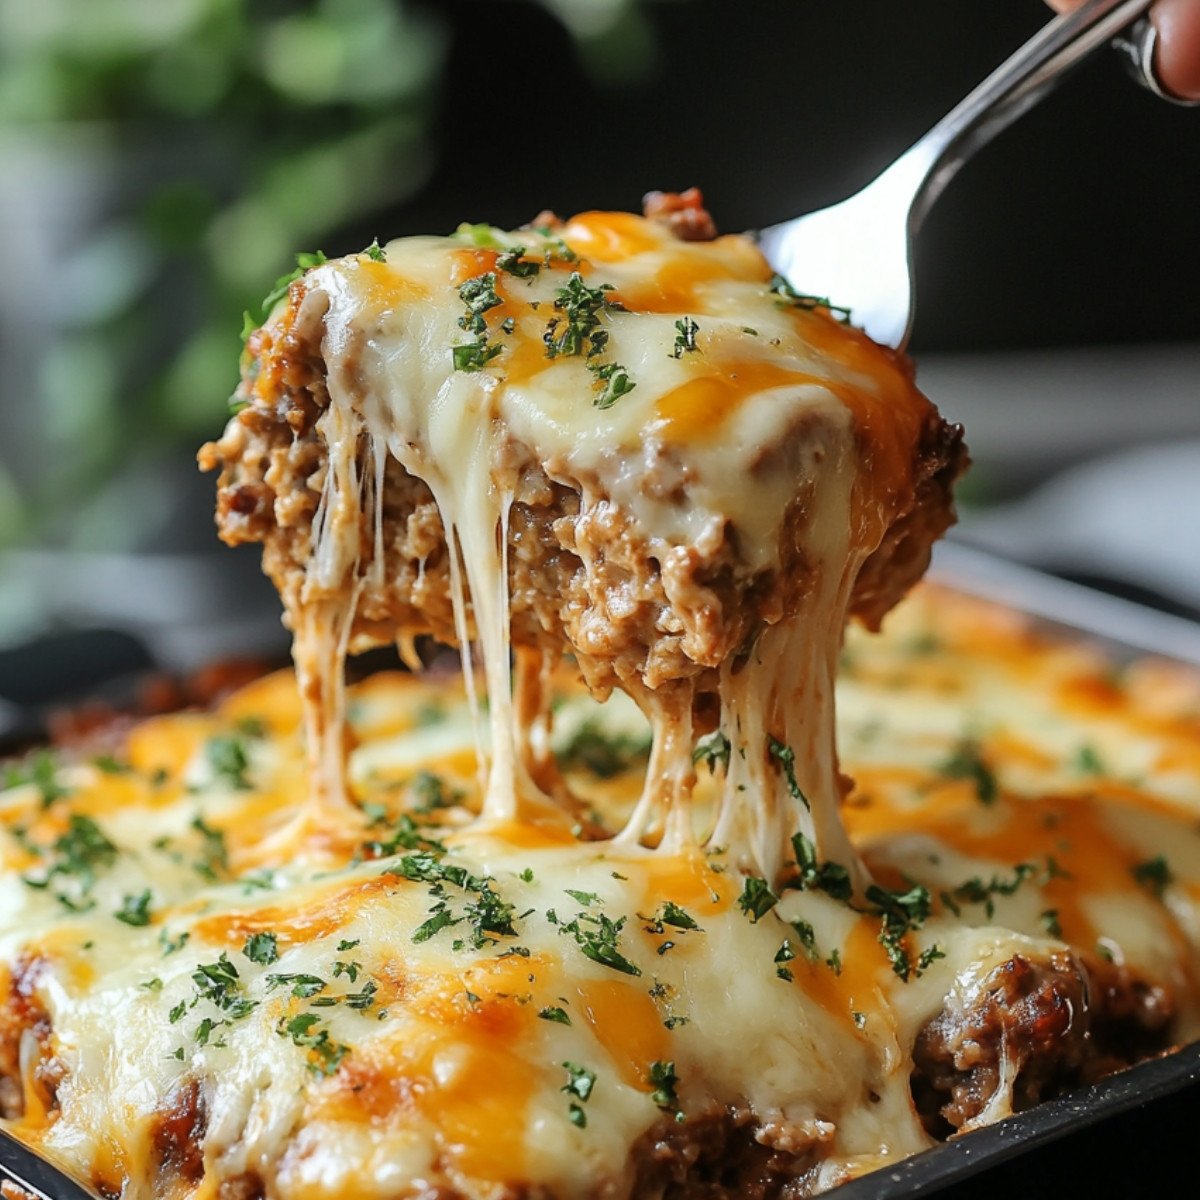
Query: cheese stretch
[
  {"x": 608, "y": 914},
  {"x": 430, "y": 1001},
  {"x": 727, "y": 456}
]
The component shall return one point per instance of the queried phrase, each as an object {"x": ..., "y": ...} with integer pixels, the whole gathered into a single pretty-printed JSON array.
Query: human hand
[{"x": 1177, "y": 53}]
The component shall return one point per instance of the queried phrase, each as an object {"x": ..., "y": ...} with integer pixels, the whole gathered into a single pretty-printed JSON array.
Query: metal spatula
[{"x": 858, "y": 253}]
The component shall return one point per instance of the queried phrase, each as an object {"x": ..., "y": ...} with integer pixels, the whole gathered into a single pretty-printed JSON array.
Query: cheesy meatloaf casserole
[{"x": 609, "y": 913}]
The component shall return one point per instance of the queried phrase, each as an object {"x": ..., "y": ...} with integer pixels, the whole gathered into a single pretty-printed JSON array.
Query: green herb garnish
[
  {"x": 262, "y": 948},
  {"x": 135, "y": 910}
]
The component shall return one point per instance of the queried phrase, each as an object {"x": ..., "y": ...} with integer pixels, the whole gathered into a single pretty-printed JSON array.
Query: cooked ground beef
[
  {"x": 179, "y": 1128},
  {"x": 1024, "y": 1028},
  {"x": 728, "y": 1156},
  {"x": 1132, "y": 1018},
  {"x": 683, "y": 213},
  {"x": 1039, "y": 1027}
]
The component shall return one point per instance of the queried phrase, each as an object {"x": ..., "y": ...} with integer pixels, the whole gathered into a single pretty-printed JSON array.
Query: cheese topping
[
  {"x": 434, "y": 1001},
  {"x": 586, "y": 920},
  {"x": 701, "y": 414}
]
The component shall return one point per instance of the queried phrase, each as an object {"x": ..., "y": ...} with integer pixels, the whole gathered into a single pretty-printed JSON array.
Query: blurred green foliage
[{"x": 224, "y": 135}]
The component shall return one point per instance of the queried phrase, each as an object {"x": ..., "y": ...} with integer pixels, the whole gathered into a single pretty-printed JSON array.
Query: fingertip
[{"x": 1177, "y": 55}]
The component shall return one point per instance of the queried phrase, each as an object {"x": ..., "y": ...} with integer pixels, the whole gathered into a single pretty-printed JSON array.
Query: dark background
[{"x": 1079, "y": 225}]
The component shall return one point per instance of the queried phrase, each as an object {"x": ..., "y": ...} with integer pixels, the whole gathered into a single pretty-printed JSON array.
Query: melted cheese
[
  {"x": 450, "y": 1045},
  {"x": 375, "y": 941},
  {"x": 770, "y": 416}
]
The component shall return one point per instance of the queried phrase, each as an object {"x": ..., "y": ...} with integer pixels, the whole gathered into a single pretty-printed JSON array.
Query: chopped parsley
[
  {"x": 756, "y": 899},
  {"x": 900, "y": 912},
  {"x": 214, "y": 856},
  {"x": 967, "y": 762},
  {"x": 711, "y": 749},
  {"x": 405, "y": 836},
  {"x": 471, "y": 356},
  {"x": 786, "y": 757},
  {"x": 669, "y": 913},
  {"x": 431, "y": 792},
  {"x": 807, "y": 936},
  {"x": 554, "y": 1013},
  {"x": 488, "y": 914},
  {"x": 1087, "y": 760},
  {"x": 41, "y": 770},
  {"x": 603, "y": 754},
  {"x": 1154, "y": 875},
  {"x": 479, "y": 296},
  {"x": 511, "y": 262},
  {"x": 788, "y": 297},
  {"x": 375, "y": 251},
  {"x": 219, "y": 983},
  {"x": 616, "y": 383},
  {"x": 78, "y": 854},
  {"x": 662, "y": 1078},
  {"x": 975, "y": 891},
  {"x": 303, "y": 986},
  {"x": 262, "y": 948},
  {"x": 363, "y": 999},
  {"x": 580, "y": 1083},
  {"x": 829, "y": 877},
  {"x": 304, "y": 262},
  {"x": 1050, "y": 923},
  {"x": 578, "y": 330},
  {"x": 135, "y": 910},
  {"x": 229, "y": 760},
  {"x": 685, "y": 337},
  {"x": 785, "y": 954},
  {"x": 169, "y": 944},
  {"x": 598, "y": 936},
  {"x": 928, "y": 956},
  {"x": 325, "y": 1055}
]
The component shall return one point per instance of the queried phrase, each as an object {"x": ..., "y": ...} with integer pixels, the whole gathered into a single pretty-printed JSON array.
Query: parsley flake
[
  {"x": 663, "y": 1080},
  {"x": 786, "y": 757},
  {"x": 685, "y": 337},
  {"x": 262, "y": 948},
  {"x": 711, "y": 749},
  {"x": 135, "y": 910},
  {"x": 580, "y": 1081},
  {"x": 598, "y": 937},
  {"x": 829, "y": 877},
  {"x": 304, "y": 262},
  {"x": 790, "y": 298},
  {"x": 967, "y": 762},
  {"x": 1154, "y": 875},
  {"x": 756, "y": 899}
]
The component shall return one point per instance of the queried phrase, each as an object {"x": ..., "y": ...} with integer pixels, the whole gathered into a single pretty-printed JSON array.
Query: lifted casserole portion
[{"x": 598, "y": 439}]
